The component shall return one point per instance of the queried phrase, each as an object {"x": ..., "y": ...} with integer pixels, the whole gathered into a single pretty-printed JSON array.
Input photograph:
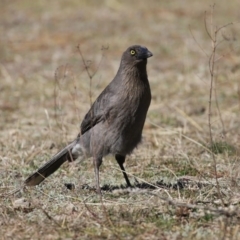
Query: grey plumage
[{"x": 115, "y": 121}]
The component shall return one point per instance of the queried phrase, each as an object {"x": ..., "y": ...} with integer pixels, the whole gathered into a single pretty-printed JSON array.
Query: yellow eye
[{"x": 132, "y": 52}]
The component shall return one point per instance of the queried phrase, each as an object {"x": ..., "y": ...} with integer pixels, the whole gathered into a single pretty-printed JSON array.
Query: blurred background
[
  {"x": 45, "y": 90},
  {"x": 38, "y": 37},
  {"x": 42, "y": 70}
]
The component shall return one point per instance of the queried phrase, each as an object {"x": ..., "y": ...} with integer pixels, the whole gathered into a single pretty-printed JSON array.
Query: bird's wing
[
  {"x": 90, "y": 121},
  {"x": 99, "y": 110}
]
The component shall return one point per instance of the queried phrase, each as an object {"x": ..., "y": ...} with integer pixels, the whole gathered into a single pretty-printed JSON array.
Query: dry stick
[
  {"x": 49, "y": 217},
  {"x": 87, "y": 66},
  {"x": 74, "y": 96},
  {"x": 197, "y": 42},
  {"x": 90, "y": 76},
  {"x": 56, "y": 87},
  {"x": 12, "y": 192},
  {"x": 215, "y": 88},
  {"x": 211, "y": 65},
  {"x": 220, "y": 211},
  {"x": 218, "y": 109}
]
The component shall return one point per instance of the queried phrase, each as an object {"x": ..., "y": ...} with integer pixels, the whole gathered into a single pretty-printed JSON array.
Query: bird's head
[{"x": 136, "y": 54}]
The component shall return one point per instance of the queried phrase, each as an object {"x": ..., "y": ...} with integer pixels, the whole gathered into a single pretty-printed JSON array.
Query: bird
[{"x": 114, "y": 123}]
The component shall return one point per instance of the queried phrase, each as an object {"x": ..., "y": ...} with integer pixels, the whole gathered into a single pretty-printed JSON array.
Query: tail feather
[{"x": 51, "y": 166}]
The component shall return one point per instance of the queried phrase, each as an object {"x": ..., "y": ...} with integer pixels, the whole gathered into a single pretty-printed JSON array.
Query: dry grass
[{"x": 39, "y": 115}]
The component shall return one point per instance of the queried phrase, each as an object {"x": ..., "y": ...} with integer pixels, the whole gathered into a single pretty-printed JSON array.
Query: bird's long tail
[{"x": 52, "y": 165}]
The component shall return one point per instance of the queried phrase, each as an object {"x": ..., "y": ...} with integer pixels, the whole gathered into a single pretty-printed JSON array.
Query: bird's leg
[
  {"x": 121, "y": 159},
  {"x": 97, "y": 161}
]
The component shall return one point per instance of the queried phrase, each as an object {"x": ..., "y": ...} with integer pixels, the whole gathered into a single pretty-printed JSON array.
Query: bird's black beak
[
  {"x": 145, "y": 53},
  {"x": 149, "y": 54}
]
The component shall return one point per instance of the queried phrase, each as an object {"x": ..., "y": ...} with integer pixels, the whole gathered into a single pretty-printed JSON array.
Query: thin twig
[
  {"x": 226, "y": 211},
  {"x": 49, "y": 217},
  {"x": 197, "y": 42},
  {"x": 218, "y": 109},
  {"x": 57, "y": 78},
  {"x": 87, "y": 68},
  {"x": 211, "y": 64},
  {"x": 206, "y": 28}
]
